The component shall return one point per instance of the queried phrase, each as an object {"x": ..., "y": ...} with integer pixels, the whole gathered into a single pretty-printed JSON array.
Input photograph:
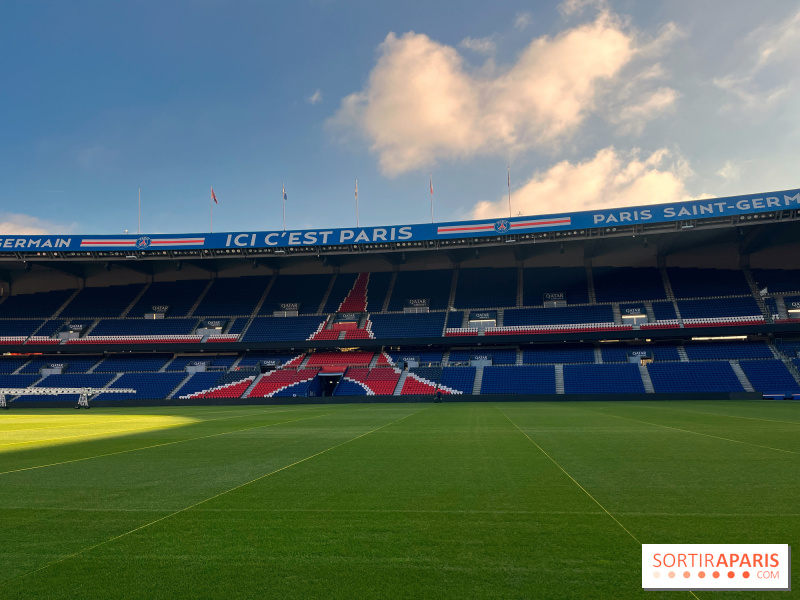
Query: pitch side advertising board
[{"x": 678, "y": 211}]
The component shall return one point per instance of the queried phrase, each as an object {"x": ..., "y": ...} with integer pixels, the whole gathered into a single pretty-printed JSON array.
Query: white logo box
[{"x": 716, "y": 567}]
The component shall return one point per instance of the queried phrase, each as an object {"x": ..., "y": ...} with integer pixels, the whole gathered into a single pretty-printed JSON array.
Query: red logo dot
[
  {"x": 671, "y": 574},
  {"x": 731, "y": 574},
  {"x": 701, "y": 574},
  {"x": 686, "y": 574},
  {"x": 715, "y": 574},
  {"x": 746, "y": 574}
]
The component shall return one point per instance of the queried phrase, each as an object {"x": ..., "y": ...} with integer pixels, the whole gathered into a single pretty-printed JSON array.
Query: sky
[{"x": 584, "y": 103}]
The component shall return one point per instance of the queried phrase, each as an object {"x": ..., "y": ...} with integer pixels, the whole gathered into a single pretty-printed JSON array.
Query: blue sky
[{"x": 591, "y": 103}]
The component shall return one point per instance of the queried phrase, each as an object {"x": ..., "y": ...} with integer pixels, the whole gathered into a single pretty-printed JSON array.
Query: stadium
[{"x": 495, "y": 408}]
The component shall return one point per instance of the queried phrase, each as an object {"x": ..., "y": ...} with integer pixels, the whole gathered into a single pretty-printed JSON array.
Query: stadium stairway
[
  {"x": 252, "y": 385},
  {"x": 327, "y": 294},
  {"x": 476, "y": 387},
  {"x": 648, "y": 383},
  {"x": 740, "y": 375},
  {"x": 559, "y": 379},
  {"x": 748, "y": 275},
  {"x": 136, "y": 299},
  {"x": 398, "y": 389},
  {"x": 648, "y": 309},
  {"x": 179, "y": 386},
  {"x": 63, "y": 306},
  {"x": 200, "y": 298},
  {"x": 682, "y": 353}
]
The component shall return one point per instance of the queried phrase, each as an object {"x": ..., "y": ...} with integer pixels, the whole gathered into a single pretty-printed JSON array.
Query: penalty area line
[{"x": 228, "y": 491}]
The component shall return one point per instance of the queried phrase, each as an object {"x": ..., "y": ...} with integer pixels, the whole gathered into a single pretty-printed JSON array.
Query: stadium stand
[
  {"x": 770, "y": 376},
  {"x": 305, "y": 290},
  {"x": 280, "y": 329},
  {"x": 433, "y": 285},
  {"x": 603, "y": 379},
  {"x": 570, "y": 281},
  {"x": 97, "y": 302},
  {"x": 409, "y": 325},
  {"x": 693, "y": 377},
  {"x": 147, "y": 385},
  {"x": 34, "y": 306},
  {"x": 697, "y": 283},
  {"x": 178, "y": 296},
  {"x": 228, "y": 297},
  {"x": 554, "y": 355},
  {"x": 519, "y": 380},
  {"x": 486, "y": 288},
  {"x": 614, "y": 284}
]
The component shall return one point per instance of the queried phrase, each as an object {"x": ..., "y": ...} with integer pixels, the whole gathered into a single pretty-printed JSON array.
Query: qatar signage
[
  {"x": 727, "y": 567},
  {"x": 399, "y": 234}
]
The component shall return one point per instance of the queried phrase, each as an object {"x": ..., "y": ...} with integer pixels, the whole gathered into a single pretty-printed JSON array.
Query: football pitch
[{"x": 453, "y": 500}]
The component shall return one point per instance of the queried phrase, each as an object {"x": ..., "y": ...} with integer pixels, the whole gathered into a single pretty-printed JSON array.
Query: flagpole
[
  {"x": 356, "y": 202},
  {"x": 211, "y": 204},
  {"x": 430, "y": 175},
  {"x": 139, "y": 229},
  {"x": 283, "y": 193},
  {"x": 509, "y": 191}
]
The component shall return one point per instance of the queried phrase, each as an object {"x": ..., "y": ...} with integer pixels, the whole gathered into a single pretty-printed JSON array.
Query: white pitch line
[
  {"x": 182, "y": 510},
  {"x": 717, "y": 437}
]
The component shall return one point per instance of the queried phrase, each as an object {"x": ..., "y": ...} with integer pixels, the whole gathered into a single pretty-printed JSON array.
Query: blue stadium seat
[
  {"x": 603, "y": 379},
  {"x": 408, "y": 325},
  {"x": 538, "y": 281},
  {"x": 693, "y": 377},
  {"x": 624, "y": 284},
  {"x": 769, "y": 376},
  {"x": 282, "y": 329},
  {"x": 434, "y": 285},
  {"x": 518, "y": 380},
  {"x": 150, "y": 386},
  {"x": 98, "y": 302},
  {"x": 558, "y": 316},
  {"x": 556, "y": 354},
  {"x": 699, "y": 283},
  {"x": 728, "y": 351},
  {"x": 40, "y": 305},
  {"x": 179, "y": 296},
  {"x": 486, "y": 288},
  {"x": 232, "y": 296},
  {"x": 307, "y": 290}
]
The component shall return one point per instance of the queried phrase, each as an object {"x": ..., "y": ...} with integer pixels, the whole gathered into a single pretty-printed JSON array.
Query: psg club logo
[
  {"x": 502, "y": 226},
  {"x": 143, "y": 242}
]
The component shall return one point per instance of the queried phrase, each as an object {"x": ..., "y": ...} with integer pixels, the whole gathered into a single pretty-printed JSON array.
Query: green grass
[{"x": 491, "y": 500}]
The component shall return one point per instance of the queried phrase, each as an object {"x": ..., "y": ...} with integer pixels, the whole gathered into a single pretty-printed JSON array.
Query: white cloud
[
  {"x": 483, "y": 45},
  {"x": 315, "y": 98},
  {"x": 523, "y": 20},
  {"x": 756, "y": 86},
  {"x": 633, "y": 117},
  {"x": 575, "y": 7},
  {"x": 20, "y": 224},
  {"x": 730, "y": 171},
  {"x": 609, "y": 178},
  {"x": 422, "y": 102}
]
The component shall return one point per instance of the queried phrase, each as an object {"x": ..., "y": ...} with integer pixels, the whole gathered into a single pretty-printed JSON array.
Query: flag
[
  {"x": 356, "y": 189},
  {"x": 430, "y": 175},
  {"x": 283, "y": 187},
  {"x": 213, "y": 195},
  {"x": 509, "y": 177}
]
